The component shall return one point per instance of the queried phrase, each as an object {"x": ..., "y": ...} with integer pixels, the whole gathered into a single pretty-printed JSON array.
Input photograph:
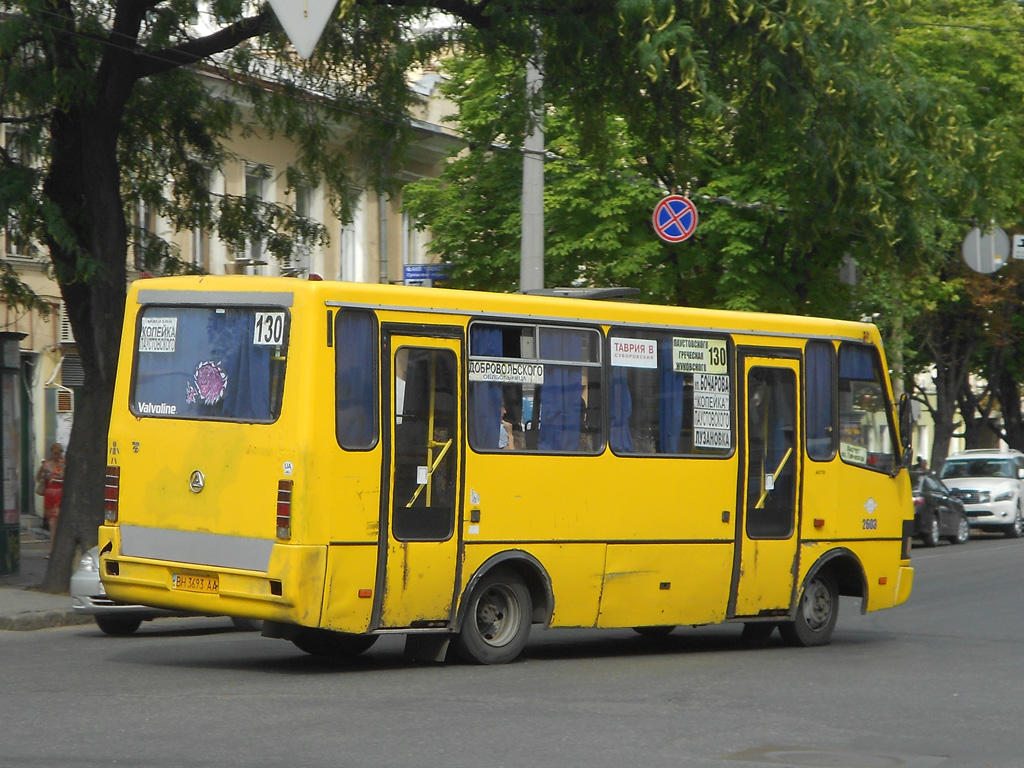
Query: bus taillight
[
  {"x": 284, "y": 509},
  {"x": 111, "y": 493}
]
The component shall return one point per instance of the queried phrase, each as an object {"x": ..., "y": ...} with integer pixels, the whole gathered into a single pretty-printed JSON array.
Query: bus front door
[
  {"x": 420, "y": 544},
  {"x": 766, "y": 537}
]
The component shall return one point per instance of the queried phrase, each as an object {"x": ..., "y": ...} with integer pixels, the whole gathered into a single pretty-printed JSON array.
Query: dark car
[{"x": 938, "y": 514}]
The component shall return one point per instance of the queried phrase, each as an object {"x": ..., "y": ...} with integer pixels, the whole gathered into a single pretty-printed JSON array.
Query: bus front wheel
[
  {"x": 328, "y": 644},
  {"x": 815, "y": 615},
  {"x": 498, "y": 618}
]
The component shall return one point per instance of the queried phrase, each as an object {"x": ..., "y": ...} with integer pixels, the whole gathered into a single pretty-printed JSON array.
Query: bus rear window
[{"x": 213, "y": 363}]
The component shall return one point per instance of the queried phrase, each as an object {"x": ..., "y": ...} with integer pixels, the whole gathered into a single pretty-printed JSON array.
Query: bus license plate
[{"x": 196, "y": 582}]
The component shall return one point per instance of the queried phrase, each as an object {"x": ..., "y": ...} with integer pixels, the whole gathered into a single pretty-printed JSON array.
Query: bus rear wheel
[
  {"x": 327, "y": 644},
  {"x": 498, "y": 618},
  {"x": 816, "y": 613}
]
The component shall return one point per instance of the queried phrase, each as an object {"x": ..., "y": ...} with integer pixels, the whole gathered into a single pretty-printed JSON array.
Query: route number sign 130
[{"x": 268, "y": 329}]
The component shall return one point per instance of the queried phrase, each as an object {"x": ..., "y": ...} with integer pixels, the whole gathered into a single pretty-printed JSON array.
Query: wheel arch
[
  {"x": 529, "y": 568},
  {"x": 848, "y": 571}
]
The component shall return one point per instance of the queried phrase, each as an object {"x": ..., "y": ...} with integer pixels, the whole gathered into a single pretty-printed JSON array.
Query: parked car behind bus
[
  {"x": 120, "y": 619},
  {"x": 938, "y": 513}
]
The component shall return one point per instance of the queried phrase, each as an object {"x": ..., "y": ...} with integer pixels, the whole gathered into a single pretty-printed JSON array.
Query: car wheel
[
  {"x": 1016, "y": 530},
  {"x": 930, "y": 536},
  {"x": 118, "y": 626},
  {"x": 816, "y": 613},
  {"x": 963, "y": 532},
  {"x": 497, "y": 620},
  {"x": 327, "y": 644}
]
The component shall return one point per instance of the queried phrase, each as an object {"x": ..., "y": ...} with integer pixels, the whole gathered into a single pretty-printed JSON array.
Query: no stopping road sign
[{"x": 675, "y": 218}]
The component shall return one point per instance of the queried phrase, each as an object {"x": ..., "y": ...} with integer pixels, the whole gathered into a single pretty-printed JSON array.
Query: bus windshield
[{"x": 210, "y": 363}]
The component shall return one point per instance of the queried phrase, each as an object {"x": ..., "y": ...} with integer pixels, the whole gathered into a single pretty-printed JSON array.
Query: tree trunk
[{"x": 84, "y": 183}]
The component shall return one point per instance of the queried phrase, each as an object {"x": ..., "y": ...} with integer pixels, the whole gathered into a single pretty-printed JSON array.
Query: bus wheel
[
  {"x": 658, "y": 631},
  {"x": 756, "y": 634},
  {"x": 816, "y": 614},
  {"x": 328, "y": 644},
  {"x": 497, "y": 623}
]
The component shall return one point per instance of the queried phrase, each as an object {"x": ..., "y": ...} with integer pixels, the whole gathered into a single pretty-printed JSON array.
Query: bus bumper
[
  {"x": 905, "y": 584},
  {"x": 286, "y": 592}
]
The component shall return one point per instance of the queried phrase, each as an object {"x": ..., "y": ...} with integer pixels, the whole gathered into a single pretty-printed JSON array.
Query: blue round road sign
[{"x": 675, "y": 218}]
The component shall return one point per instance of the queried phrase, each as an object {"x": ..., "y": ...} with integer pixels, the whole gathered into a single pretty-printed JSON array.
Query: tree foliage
[{"x": 795, "y": 128}]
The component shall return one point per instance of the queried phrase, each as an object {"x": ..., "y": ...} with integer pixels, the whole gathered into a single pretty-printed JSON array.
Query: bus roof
[{"x": 507, "y": 305}]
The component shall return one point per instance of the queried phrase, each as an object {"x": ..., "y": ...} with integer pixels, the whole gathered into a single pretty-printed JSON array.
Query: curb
[{"x": 32, "y": 620}]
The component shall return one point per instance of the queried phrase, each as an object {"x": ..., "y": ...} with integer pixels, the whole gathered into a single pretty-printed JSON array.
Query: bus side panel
[
  {"x": 665, "y": 584},
  {"x": 575, "y": 571},
  {"x": 524, "y": 497},
  {"x": 888, "y": 580},
  {"x": 351, "y": 573}
]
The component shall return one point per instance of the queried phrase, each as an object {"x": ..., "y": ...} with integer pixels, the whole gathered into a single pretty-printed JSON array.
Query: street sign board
[
  {"x": 675, "y": 218},
  {"x": 424, "y": 274},
  {"x": 303, "y": 21},
  {"x": 986, "y": 252},
  {"x": 1018, "y": 246}
]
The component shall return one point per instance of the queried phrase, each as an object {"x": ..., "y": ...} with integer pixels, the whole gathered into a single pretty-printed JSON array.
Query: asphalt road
[{"x": 937, "y": 682}]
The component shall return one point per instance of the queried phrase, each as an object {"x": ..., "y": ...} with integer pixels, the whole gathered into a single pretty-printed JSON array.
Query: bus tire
[
  {"x": 756, "y": 634},
  {"x": 497, "y": 619},
  {"x": 327, "y": 644},
  {"x": 655, "y": 631},
  {"x": 118, "y": 626},
  {"x": 816, "y": 613}
]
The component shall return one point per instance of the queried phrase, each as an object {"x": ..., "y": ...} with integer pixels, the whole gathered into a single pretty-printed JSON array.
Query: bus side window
[
  {"x": 866, "y": 436},
  {"x": 819, "y": 379},
  {"x": 356, "y": 410},
  {"x": 660, "y": 404},
  {"x": 548, "y": 381}
]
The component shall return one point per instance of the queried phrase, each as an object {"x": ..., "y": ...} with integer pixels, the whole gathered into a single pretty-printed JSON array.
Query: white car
[
  {"x": 90, "y": 598},
  {"x": 990, "y": 483}
]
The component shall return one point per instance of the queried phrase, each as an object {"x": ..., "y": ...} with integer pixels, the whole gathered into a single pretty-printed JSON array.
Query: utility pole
[{"x": 531, "y": 264}]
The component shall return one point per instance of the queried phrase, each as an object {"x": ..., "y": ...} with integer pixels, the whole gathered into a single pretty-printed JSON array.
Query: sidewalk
[{"x": 22, "y": 605}]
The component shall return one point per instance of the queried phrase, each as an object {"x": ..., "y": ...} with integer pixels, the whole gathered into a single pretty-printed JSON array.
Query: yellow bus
[{"x": 345, "y": 461}]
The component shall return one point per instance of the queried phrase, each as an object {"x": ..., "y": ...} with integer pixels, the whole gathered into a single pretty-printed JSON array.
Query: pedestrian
[{"x": 51, "y": 476}]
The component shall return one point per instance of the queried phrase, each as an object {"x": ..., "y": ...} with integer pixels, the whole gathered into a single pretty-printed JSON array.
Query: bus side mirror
[
  {"x": 906, "y": 423},
  {"x": 906, "y": 458}
]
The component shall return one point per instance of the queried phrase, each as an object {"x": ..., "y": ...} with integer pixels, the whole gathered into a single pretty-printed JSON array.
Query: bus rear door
[
  {"x": 419, "y": 538},
  {"x": 766, "y": 549}
]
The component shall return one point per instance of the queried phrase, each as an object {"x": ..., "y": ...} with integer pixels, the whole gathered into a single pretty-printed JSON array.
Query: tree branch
[
  {"x": 24, "y": 119},
  {"x": 156, "y": 62}
]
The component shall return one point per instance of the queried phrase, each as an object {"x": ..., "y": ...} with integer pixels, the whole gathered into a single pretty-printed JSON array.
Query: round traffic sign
[
  {"x": 986, "y": 252},
  {"x": 675, "y": 218}
]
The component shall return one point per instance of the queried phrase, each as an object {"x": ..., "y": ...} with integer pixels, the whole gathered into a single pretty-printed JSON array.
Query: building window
[
  {"x": 200, "y": 241},
  {"x": 299, "y": 262},
  {"x": 16, "y": 242},
  {"x": 252, "y": 260},
  {"x": 144, "y": 235},
  {"x": 413, "y": 246}
]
